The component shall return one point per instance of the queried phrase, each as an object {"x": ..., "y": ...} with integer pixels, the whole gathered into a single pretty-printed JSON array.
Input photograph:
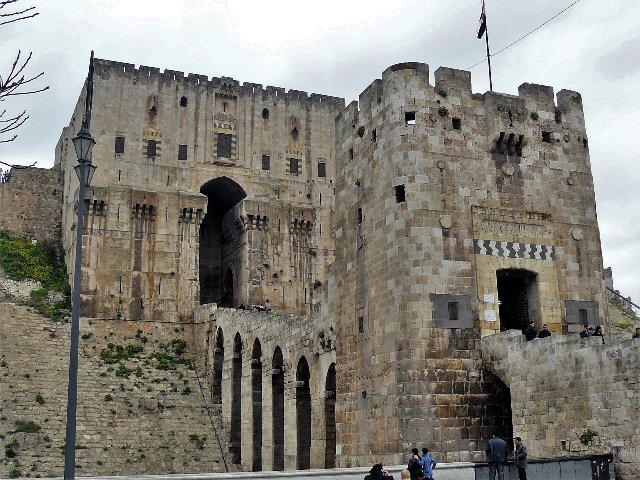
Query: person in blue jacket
[{"x": 428, "y": 464}]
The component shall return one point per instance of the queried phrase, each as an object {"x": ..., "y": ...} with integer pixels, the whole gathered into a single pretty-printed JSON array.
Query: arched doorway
[
  {"x": 218, "y": 362},
  {"x": 330, "y": 418},
  {"x": 236, "y": 400},
  {"x": 220, "y": 240},
  {"x": 277, "y": 409},
  {"x": 303, "y": 416},
  {"x": 497, "y": 414},
  {"x": 519, "y": 298},
  {"x": 256, "y": 397}
]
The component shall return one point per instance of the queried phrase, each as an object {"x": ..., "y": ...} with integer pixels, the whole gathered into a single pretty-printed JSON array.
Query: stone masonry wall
[
  {"x": 563, "y": 385},
  {"x": 142, "y": 421},
  {"x": 31, "y": 203},
  {"x": 147, "y": 206}
]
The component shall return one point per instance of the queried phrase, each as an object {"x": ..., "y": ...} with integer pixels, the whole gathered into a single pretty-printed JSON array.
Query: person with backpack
[{"x": 414, "y": 466}]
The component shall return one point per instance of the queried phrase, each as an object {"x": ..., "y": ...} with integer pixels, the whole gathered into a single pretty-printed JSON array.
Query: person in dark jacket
[
  {"x": 530, "y": 332},
  {"x": 376, "y": 473},
  {"x": 496, "y": 456},
  {"x": 521, "y": 458},
  {"x": 544, "y": 333},
  {"x": 637, "y": 334},
  {"x": 414, "y": 467}
]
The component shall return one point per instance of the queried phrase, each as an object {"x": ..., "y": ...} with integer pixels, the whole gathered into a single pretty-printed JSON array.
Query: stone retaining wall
[
  {"x": 562, "y": 386},
  {"x": 144, "y": 420}
]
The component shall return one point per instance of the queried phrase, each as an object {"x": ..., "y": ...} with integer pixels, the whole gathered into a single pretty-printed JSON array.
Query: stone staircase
[{"x": 133, "y": 417}]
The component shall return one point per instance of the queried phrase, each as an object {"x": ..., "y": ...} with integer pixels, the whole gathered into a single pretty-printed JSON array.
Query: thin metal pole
[
  {"x": 486, "y": 36},
  {"x": 72, "y": 391}
]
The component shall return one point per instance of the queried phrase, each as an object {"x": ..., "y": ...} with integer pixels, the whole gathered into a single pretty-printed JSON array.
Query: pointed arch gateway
[{"x": 220, "y": 255}]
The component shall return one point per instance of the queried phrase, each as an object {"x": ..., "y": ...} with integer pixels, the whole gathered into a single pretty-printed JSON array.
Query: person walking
[
  {"x": 428, "y": 464},
  {"x": 521, "y": 458},
  {"x": 496, "y": 456}
]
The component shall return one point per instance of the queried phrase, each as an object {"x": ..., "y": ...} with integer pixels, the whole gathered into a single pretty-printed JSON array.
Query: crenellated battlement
[
  {"x": 451, "y": 82},
  {"x": 106, "y": 68}
]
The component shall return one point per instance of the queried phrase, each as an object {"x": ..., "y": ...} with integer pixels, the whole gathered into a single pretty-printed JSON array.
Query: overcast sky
[{"x": 338, "y": 47}]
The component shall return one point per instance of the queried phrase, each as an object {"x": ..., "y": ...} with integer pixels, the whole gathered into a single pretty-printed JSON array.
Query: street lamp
[{"x": 83, "y": 144}]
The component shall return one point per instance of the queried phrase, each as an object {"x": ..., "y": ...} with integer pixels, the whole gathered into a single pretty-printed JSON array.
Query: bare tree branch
[{"x": 13, "y": 84}]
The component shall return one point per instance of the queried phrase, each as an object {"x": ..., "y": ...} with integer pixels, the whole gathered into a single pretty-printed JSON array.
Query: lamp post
[{"x": 83, "y": 144}]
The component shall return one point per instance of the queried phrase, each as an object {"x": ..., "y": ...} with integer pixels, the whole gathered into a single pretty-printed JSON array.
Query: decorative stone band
[{"x": 531, "y": 251}]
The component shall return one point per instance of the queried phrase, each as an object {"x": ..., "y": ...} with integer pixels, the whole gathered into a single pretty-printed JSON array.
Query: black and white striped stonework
[{"x": 514, "y": 250}]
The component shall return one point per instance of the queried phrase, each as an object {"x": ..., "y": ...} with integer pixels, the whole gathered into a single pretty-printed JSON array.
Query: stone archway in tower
[
  {"x": 220, "y": 255},
  {"x": 496, "y": 414}
]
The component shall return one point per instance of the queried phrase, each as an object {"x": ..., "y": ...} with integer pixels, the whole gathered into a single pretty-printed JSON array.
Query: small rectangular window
[
  {"x": 351, "y": 154},
  {"x": 294, "y": 166},
  {"x": 456, "y": 123},
  {"x": 266, "y": 162},
  {"x": 182, "y": 152},
  {"x": 400, "y": 196},
  {"x": 410, "y": 118},
  {"x": 359, "y": 216},
  {"x": 453, "y": 310},
  {"x": 374, "y": 136},
  {"x": 583, "y": 316},
  {"x": 224, "y": 145},
  {"x": 360, "y": 324},
  {"x": 119, "y": 144},
  {"x": 322, "y": 169},
  {"x": 152, "y": 148},
  {"x": 546, "y": 137}
]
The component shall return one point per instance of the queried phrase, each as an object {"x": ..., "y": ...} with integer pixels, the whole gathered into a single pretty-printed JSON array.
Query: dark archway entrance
[
  {"x": 218, "y": 362},
  {"x": 330, "y": 418},
  {"x": 496, "y": 415},
  {"x": 303, "y": 416},
  {"x": 220, "y": 254},
  {"x": 277, "y": 409},
  {"x": 236, "y": 401},
  {"x": 256, "y": 397},
  {"x": 518, "y": 296}
]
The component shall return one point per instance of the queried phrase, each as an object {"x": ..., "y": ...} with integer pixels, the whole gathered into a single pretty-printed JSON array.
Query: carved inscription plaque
[{"x": 501, "y": 222}]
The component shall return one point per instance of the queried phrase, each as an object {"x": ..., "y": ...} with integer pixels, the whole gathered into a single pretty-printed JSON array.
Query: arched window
[
  {"x": 218, "y": 361},
  {"x": 303, "y": 416},
  {"x": 330, "y": 418},
  {"x": 183, "y": 101},
  {"x": 236, "y": 401},
  {"x": 256, "y": 400},
  {"x": 265, "y": 114},
  {"x": 277, "y": 409}
]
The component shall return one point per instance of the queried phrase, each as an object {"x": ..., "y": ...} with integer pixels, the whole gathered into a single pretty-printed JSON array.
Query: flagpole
[{"x": 486, "y": 34}]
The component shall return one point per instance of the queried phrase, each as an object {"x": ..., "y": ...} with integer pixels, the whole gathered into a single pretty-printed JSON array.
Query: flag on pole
[{"x": 483, "y": 23}]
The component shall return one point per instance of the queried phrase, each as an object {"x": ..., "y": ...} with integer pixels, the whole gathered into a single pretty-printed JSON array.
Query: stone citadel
[{"x": 349, "y": 277}]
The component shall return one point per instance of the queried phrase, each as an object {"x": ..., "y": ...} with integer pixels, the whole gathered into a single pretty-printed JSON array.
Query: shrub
[
  {"x": 534, "y": 115},
  {"x": 40, "y": 399},
  {"x": 442, "y": 93},
  {"x": 586, "y": 436},
  {"x": 443, "y": 111},
  {"x": 360, "y": 131},
  {"x": 26, "y": 427}
]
